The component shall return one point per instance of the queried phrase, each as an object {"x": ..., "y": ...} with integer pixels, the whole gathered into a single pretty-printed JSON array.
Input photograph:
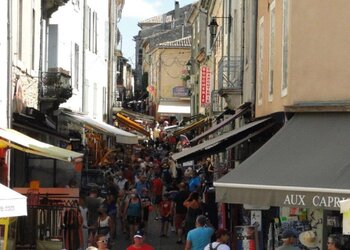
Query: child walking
[{"x": 165, "y": 213}]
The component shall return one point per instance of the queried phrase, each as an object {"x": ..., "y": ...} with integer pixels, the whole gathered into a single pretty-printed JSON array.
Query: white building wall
[
  {"x": 69, "y": 21},
  {"x": 3, "y": 65},
  {"x": 96, "y": 61}
]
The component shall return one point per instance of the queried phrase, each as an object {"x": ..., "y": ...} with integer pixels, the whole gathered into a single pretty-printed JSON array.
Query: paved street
[{"x": 152, "y": 237}]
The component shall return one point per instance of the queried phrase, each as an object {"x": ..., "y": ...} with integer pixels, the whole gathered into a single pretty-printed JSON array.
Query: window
[
  {"x": 76, "y": 66},
  {"x": 94, "y": 32},
  {"x": 260, "y": 54},
  {"x": 272, "y": 49},
  {"x": 20, "y": 28},
  {"x": 95, "y": 101},
  {"x": 33, "y": 40},
  {"x": 284, "y": 85}
]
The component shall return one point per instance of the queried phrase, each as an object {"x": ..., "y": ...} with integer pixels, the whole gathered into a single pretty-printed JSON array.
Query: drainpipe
[
  {"x": 9, "y": 82},
  {"x": 83, "y": 60}
]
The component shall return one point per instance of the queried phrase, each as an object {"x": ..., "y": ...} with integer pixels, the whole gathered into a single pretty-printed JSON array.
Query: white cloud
[{"x": 141, "y": 9}]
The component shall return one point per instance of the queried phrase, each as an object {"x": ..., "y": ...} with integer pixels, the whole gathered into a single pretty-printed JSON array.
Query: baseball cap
[
  {"x": 288, "y": 234},
  {"x": 139, "y": 234}
]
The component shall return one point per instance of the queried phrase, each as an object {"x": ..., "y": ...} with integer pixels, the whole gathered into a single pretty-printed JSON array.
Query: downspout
[
  {"x": 110, "y": 77},
  {"x": 253, "y": 52},
  {"x": 9, "y": 81},
  {"x": 83, "y": 60}
]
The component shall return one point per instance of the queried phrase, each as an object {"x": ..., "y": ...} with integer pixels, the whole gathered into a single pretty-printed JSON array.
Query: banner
[{"x": 205, "y": 85}]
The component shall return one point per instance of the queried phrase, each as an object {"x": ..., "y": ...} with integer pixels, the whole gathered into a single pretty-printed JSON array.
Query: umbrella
[{"x": 12, "y": 203}]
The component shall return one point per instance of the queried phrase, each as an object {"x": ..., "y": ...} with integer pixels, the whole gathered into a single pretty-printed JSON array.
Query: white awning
[
  {"x": 17, "y": 140},
  {"x": 166, "y": 107},
  {"x": 122, "y": 136},
  {"x": 12, "y": 204}
]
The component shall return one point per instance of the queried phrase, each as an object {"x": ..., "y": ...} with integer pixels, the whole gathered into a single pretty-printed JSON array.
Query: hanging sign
[{"x": 205, "y": 85}]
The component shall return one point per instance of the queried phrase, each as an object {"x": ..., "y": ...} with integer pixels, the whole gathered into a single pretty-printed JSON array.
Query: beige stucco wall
[
  {"x": 167, "y": 70},
  {"x": 319, "y": 54}
]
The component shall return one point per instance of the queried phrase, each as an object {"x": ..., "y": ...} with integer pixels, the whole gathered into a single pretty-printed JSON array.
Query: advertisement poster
[{"x": 246, "y": 237}]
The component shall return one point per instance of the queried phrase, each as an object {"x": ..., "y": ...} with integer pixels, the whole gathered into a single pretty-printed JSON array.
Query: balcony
[
  {"x": 230, "y": 73},
  {"x": 230, "y": 80},
  {"x": 55, "y": 86}
]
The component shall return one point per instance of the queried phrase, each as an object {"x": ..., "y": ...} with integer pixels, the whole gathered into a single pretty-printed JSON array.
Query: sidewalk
[{"x": 152, "y": 238}]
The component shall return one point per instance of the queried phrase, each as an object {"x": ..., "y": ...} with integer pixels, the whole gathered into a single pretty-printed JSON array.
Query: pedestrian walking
[
  {"x": 133, "y": 212},
  {"x": 157, "y": 191},
  {"x": 199, "y": 237},
  {"x": 138, "y": 242},
  {"x": 165, "y": 213},
  {"x": 105, "y": 224},
  {"x": 180, "y": 210},
  {"x": 194, "y": 208},
  {"x": 102, "y": 242},
  {"x": 222, "y": 238},
  {"x": 146, "y": 207},
  {"x": 289, "y": 240}
]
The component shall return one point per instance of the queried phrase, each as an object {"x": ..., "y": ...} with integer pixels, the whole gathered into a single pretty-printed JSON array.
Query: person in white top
[{"x": 222, "y": 238}]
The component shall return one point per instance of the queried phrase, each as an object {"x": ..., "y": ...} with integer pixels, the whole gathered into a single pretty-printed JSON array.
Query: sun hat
[{"x": 308, "y": 239}]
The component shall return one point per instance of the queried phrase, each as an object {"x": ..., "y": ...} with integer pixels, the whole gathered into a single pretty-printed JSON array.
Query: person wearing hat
[
  {"x": 139, "y": 242},
  {"x": 308, "y": 239},
  {"x": 289, "y": 240},
  {"x": 222, "y": 238}
]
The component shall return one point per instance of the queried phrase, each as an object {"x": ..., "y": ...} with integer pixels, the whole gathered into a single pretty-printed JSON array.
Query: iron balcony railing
[
  {"x": 230, "y": 74},
  {"x": 55, "y": 85}
]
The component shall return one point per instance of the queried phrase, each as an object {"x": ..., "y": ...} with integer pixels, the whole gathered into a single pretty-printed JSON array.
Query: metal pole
[{"x": 9, "y": 81}]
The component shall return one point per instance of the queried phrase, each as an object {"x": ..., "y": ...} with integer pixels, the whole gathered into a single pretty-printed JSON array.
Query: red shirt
[
  {"x": 165, "y": 207},
  {"x": 157, "y": 186},
  {"x": 143, "y": 247}
]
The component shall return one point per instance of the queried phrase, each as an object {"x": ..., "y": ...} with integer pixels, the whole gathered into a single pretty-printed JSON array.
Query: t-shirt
[
  {"x": 179, "y": 200},
  {"x": 165, "y": 207},
  {"x": 157, "y": 186},
  {"x": 143, "y": 247},
  {"x": 289, "y": 247},
  {"x": 200, "y": 237},
  {"x": 215, "y": 244}
]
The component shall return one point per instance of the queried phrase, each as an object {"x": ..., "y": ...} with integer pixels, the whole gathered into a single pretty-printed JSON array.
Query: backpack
[{"x": 213, "y": 248}]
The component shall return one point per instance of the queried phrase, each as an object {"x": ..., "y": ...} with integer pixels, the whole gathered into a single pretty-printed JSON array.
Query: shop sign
[
  {"x": 321, "y": 201},
  {"x": 205, "y": 85},
  {"x": 181, "y": 91}
]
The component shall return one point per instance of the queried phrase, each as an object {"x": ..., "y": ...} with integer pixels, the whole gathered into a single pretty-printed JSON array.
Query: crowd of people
[{"x": 152, "y": 186}]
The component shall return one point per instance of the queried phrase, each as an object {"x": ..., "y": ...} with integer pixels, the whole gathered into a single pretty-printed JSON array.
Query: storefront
[{"x": 303, "y": 171}]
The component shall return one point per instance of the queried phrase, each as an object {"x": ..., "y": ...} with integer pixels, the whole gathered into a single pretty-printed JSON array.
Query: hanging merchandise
[{"x": 247, "y": 237}]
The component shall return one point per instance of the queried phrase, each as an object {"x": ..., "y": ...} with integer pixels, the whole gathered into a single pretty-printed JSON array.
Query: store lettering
[
  {"x": 328, "y": 201},
  {"x": 317, "y": 200},
  {"x": 294, "y": 199}
]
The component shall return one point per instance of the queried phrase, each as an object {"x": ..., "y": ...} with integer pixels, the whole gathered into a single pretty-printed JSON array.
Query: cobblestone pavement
[{"x": 152, "y": 237}]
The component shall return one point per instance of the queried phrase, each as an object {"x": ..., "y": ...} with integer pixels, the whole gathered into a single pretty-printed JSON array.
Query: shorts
[
  {"x": 179, "y": 218},
  {"x": 157, "y": 199},
  {"x": 165, "y": 219},
  {"x": 133, "y": 220}
]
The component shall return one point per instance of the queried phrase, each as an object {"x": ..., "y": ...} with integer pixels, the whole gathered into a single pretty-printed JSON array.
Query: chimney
[{"x": 177, "y": 10}]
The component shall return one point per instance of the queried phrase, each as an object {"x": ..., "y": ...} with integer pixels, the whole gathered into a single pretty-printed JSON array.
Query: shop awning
[
  {"x": 166, "y": 107},
  {"x": 12, "y": 204},
  {"x": 137, "y": 115},
  {"x": 216, "y": 127},
  {"x": 131, "y": 124},
  {"x": 192, "y": 126},
  {"x": 17, "y": 140},
  {"x": 121, "y": 135},
  {"x": 220, "y": 143},
  {"x": 306, "y": 164}
]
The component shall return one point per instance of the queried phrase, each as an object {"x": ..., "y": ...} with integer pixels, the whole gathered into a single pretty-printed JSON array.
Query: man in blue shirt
[{"x": 199, "y": 237}]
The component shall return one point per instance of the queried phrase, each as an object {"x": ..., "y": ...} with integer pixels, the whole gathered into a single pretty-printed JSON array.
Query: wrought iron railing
[
  {"x": 230, "y": 72},
  {"x": 56, "y": 85}
]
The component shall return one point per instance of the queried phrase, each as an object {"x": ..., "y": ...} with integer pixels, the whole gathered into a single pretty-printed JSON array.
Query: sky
[{"x": 135, "y": 11}]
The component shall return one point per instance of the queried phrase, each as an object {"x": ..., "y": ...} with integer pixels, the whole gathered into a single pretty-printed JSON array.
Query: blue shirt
[
  {"x": 194, "y": 183},
  {"x": 200, "y": 237}
]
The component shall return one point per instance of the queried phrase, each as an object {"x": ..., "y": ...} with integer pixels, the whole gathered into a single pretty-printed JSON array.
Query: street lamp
[{"x": 213, "y": 26}]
